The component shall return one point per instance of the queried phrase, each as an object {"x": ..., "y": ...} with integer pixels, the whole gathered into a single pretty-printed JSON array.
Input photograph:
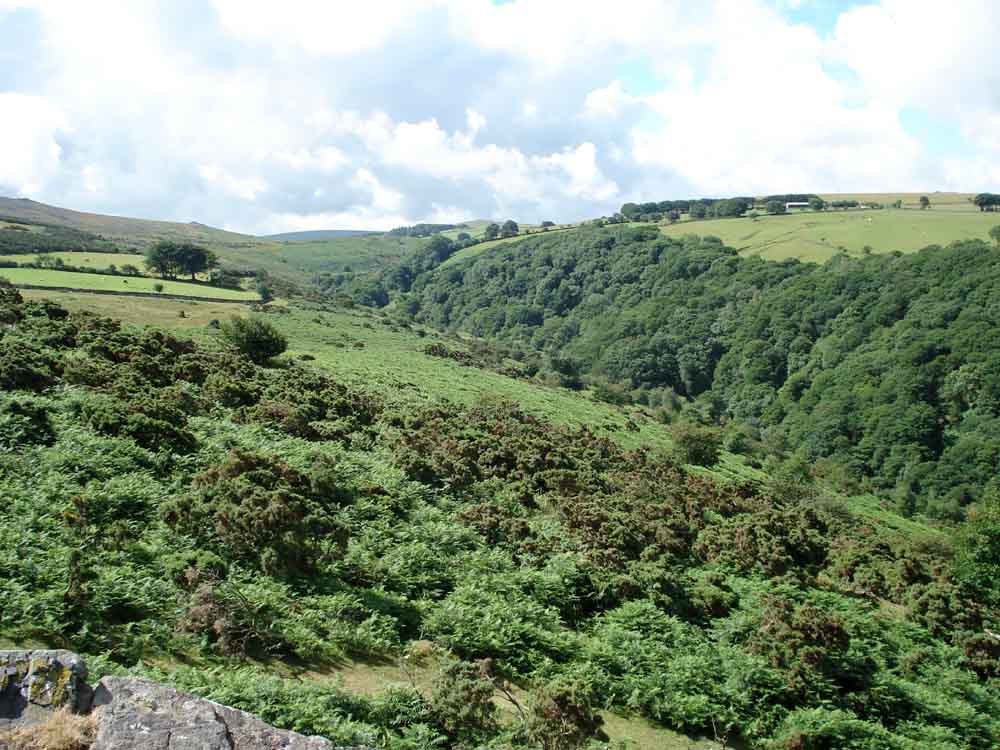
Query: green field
[
  {"x": 817, "y": 236},
  {"x": 360, "y": 253},
  {"x": 939, "y": 201},
  {"x": 85, "y": 260},
  {"x": 151, "y": 309},
  {"x": 70, "y": 279}
]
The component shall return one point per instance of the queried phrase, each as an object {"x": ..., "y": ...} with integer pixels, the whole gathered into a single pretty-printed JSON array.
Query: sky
[{"x": 265, "y": 117}]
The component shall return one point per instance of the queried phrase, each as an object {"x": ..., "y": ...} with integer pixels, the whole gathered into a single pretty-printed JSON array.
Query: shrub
[
  {"x": 255, "y": 337},
  {"x": 25, "y": 366},
  {"x": 22, "y": 423},
  {"x": 697, "y": 444},
  {"x": 563, "y": 717},
  {"x": 256, "y": 508}
]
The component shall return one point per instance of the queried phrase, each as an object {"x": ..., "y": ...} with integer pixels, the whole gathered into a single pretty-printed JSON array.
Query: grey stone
[
  {"x": 135, "y": 714},
  {"x": 33, "y": 683}
]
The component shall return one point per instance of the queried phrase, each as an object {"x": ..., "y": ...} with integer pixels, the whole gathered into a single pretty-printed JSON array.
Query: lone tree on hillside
[
  {"x": 925, "y": 202},
  {"x": 995, "y": 234},
  {"x": 492, "y": 231},
  {"x": 254, "y": 337},
  {"x": 169, "y": 259},
  {"x": 509, "y": 228}
]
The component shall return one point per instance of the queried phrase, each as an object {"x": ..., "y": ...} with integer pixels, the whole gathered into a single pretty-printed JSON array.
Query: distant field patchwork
[
  {"x": 819, "y": 236},
  {"x": 72, "y": 280},
  {"x": 84, "y": 260}
]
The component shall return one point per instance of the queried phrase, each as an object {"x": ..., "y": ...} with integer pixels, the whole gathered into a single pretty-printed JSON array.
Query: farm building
[{"x": 796, "y": 204}]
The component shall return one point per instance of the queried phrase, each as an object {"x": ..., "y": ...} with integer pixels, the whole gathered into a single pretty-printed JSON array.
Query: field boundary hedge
[{"x": 116, "y": 293}]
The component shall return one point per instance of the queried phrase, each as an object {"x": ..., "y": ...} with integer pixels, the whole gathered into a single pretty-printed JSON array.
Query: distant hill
[
  {"x": 119, "y": 228},
  {"x": 320, "y": 234}
]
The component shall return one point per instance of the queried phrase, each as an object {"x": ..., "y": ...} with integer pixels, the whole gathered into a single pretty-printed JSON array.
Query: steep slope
[
  {"x": 883, "y": 366},
  {"x": 184, "y": 505}
]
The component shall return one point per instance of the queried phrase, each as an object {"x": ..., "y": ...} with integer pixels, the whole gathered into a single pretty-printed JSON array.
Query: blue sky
[{"x": 263, "y": 117}]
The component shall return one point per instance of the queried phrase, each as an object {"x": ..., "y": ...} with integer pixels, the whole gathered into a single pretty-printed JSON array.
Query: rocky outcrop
[
  {"x": 34, "y": 683},
  {"x": 136, "y": 714},
  {"x": 129, "y": 713}
]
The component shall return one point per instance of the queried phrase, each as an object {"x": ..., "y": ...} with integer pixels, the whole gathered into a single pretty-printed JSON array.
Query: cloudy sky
[{"x": 308, "y": 114}]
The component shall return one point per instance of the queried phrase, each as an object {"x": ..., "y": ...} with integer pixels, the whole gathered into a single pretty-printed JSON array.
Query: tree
[
  {"x": 698, "y": 211},
  {"x": 509, "y": 228},
  {"x": 161, "y": 258},
  {"x": 977, "y": 558},
  {"x": 995, "y": 234},
  {"x": 492, "y": 231},
  {"x": 194, "y": 259},
  {"x": 547, "y": 224},
  {"x": 464, "y": 237},
  {"x": 696, "y": 444},
  {"x": 776, "y": 207},
  {"x": 816, "y": 203},
  {"x": 630, "y": 211},
  {"x": 255, "y": 337},
  {"x": 673, "y": 216},
  {"x": 925, "y": 202},
  {"x": 169, "y": 259}
]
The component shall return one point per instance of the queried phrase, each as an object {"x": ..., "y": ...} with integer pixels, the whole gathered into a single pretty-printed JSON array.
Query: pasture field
[
  {"x": 939, "y": 201},
  {"x": 152, "y": 310},
  {"x": 46, "y": 277},
  {"x": 817, "y": 236},
  {"x": 361, "y": 253},
  {"x": 85, "y": 260}
]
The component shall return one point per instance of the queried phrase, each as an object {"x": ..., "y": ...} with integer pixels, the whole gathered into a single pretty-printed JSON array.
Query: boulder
[
  {"x": 34, "y": 683},
  {"x": 128, "y": 713},
  {"x": 135, "y": 714}
]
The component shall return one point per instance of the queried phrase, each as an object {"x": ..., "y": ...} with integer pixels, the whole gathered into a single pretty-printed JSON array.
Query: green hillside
[
  {"x": 57, "y": 230},
  {"x": 819, "y": 236},
  {"x": 588, "y": 488},
  {"x": 321, "y": 540},
  {"x": 102, "y": 282}
]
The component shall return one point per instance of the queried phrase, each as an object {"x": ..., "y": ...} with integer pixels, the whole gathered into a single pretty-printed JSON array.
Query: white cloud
[
  {"x": 609, "y": 101},
  {"x": 318, "y": 28},
  {"x": 372, "y": 114},
  {"x": 29, "y": 152},
  {"x": 247, "y": 187}
]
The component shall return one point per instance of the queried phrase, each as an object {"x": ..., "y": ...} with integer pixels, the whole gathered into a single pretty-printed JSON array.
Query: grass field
[
  {"x": 85, "y": 260},
  {"x": 46, "y": 277},
  {"x": 939, "y": 201},
  {"x": 152, "y": 310},
  {"x": 362, "y": 253},
  {"x": 818, "y": 236}
]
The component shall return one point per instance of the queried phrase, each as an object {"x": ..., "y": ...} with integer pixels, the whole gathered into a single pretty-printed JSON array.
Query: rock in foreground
[{"x": 129, "y": 713}]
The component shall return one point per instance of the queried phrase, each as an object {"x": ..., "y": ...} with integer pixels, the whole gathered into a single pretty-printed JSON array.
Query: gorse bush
[{"x": 254, "y": 337}]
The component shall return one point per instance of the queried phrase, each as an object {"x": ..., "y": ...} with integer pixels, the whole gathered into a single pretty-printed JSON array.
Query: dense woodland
[
  {"x": 205, "y": 502},
  {"x": 885, "y": 368}
]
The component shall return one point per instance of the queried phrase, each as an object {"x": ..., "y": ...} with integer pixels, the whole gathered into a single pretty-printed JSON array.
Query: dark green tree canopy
[{"x": 170, "y": 259}]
